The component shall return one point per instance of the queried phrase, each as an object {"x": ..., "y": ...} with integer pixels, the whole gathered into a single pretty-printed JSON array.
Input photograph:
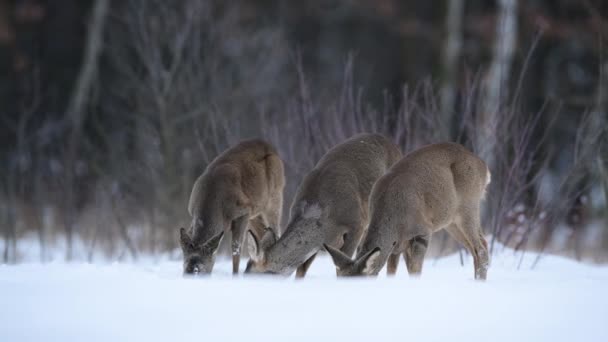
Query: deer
[
  {"x": 330, "y": 206},
  {"x": 240, "y": 188},
  {"x": 439, "y": 186}
]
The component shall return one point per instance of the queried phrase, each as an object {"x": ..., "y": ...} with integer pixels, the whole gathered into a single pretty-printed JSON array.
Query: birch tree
[
  {"x": 451, "y": 56},
  {"x": 495, "y": 85}
]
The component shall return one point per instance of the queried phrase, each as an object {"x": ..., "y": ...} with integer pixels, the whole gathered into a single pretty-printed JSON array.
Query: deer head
[{"x": 199, "y": 258}]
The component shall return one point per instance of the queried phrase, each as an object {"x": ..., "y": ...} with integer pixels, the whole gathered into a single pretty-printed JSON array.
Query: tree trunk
[
  {"x": 602, "y": 112},
  {"x": 451, "y": 56},
  {"x": 495, "y": 85}
]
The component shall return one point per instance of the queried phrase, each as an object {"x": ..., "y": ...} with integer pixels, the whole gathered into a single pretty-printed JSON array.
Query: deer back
[
  {"x": 424, "y": 192},
  {"x": 240, "y": 180},
  {"x": 332, "y": 198}
]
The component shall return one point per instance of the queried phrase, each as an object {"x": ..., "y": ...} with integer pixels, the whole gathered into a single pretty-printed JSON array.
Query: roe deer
[
  {"x": 436, "y": 187},
  {"x": 330, "y": 206},
  {"x": 242, "y": 185}
]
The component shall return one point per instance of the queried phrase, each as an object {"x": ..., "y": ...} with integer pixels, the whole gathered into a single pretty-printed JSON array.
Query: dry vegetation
[{"x": 190, "y": 79}]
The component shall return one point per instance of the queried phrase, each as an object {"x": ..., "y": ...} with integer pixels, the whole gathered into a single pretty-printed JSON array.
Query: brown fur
[
  {"x": 330, "y": 206},
  {"x": 436, "y": 187},
  {"x": 244, "y": 185}
]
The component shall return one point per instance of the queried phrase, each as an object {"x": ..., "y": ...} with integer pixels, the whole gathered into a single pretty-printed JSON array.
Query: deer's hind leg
[
  {"x": 415, "y": 251},
  {"x": 238, "y": 227},
  {"x": 470, "y": 227},
  {"x": 457, "y": 234},
  {"x": 272, "y": 214}
]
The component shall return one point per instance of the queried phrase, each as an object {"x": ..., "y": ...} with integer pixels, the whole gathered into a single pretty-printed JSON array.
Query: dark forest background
[{"x": 109, "y": 110}]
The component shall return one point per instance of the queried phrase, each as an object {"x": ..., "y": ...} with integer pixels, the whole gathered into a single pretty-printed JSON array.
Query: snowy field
[{"x": 559, "y": 300}]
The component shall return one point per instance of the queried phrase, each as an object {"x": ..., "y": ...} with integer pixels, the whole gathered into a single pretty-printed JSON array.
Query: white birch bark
[
  {"x": 451, "y": 56},
  {"x": 495, "y": 84}
]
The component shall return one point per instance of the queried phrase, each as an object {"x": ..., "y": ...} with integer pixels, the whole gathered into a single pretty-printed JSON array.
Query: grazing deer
[
  {"x": 330, "y": 206},
  {"x": 436, "y": 187},
  {"x": 242, "y": 185}
]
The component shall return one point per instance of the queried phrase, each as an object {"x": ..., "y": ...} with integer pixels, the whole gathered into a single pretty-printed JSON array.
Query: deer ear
[
  {"x": 269, "y": 238},
  {"x": 184, "y": 240},
  {"x": 253, "y": 246},
  {"x": 369, "y": 260},
  {"x": 340, "y": 259},
  {"x": 213, "y": 243}
]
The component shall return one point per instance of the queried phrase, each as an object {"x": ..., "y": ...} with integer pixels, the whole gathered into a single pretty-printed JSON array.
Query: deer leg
[
  {"x": 272, "y": 216},
  {"x": 391, "y": 265},
  {"x": 302, "y": 269},
  {"x": 483, "y": 259},
  {"x": 483, "y": 239},
  {"x": 457, "y": 234},
  {"x": 414, "y": 253},
  {"x": 238, "y": 230},
  {"x": 471, "y": 228}
]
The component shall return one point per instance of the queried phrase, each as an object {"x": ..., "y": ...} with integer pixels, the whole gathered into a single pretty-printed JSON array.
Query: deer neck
[
  {"x": 206, "y": 226},
  {"x": 302, "y": 239}
]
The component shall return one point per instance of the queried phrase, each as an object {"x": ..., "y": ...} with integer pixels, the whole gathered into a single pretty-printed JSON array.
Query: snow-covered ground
[{"x": 558, "y": 300}]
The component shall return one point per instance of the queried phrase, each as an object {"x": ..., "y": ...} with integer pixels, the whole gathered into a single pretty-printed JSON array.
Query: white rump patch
[
  {"x": 488, "y": 180},
  {"x": 312, "y": 211},
  {"x": 488, "y": 177}
]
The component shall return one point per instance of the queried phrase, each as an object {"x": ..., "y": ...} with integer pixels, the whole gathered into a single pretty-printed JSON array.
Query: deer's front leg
[
  {"x": 239, "y": 226},
  {"x": 392, "y": 264}
]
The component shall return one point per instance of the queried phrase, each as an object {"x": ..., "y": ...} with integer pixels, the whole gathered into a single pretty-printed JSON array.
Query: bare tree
[
  {"x": 602, "y": 110},
  {"x": 189, "y": 80},
  {"x": 19, "y": 162},
  {"x": 185, "y": 80},
  {"x": 76, "y": 112}
]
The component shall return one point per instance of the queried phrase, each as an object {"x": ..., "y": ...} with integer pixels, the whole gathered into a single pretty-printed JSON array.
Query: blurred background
[{"x": 109, "y": 110}]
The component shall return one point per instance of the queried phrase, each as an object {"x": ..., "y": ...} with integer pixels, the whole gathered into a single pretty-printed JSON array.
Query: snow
[{"x": 558, "y": 300}]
